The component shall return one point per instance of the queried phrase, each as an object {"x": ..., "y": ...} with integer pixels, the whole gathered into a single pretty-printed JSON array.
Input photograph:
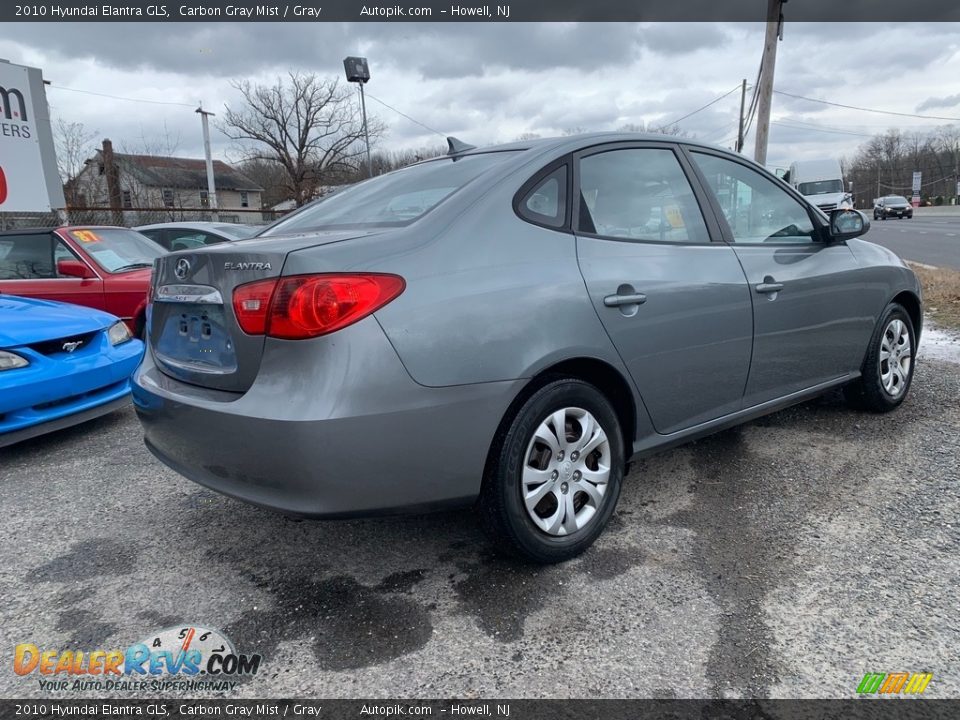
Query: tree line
[{"x": 884, "y": 165}]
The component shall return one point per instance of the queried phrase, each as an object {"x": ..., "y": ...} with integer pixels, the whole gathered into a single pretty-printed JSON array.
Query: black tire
[
  {"x": 503, "y": 514},
  {"x": 868, "y": 392}
]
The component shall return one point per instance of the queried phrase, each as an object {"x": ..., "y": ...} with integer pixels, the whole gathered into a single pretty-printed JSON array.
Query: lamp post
[{"x": 359, "y": 72}]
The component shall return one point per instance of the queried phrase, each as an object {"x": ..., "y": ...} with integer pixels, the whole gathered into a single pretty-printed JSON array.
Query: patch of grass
[{"x": 941, "y": 294}]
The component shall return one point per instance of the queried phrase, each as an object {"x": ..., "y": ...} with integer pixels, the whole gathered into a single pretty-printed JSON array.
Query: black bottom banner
[{"x": 868, "y": 709}]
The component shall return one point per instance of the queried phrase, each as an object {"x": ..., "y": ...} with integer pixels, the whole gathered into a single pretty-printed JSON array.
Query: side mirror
[
  {"x": 846, "y": 223},
  {"x": 73, "y": 268}
]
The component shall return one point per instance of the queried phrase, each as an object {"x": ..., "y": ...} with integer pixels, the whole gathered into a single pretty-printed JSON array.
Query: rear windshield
[
  {"x": 237, "y": 232},
  {"x": 821, "y": 187},
  {"x": 117, "y": 249},
  {"x": 391, "y": 200}
]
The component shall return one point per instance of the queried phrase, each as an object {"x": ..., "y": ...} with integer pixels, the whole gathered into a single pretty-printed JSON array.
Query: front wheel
[
  {"x": 887, "y": 370},
  {"x": 554, "y": 475}
]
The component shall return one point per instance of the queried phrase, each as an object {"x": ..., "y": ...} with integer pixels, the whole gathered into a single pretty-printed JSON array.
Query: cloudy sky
[{"x": 492, "y": 82}]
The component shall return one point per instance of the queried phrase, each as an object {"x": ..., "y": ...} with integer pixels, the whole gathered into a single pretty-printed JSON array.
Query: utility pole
[
  {"x": 211, "y": 183},
  {"x": 768, "y": 65},
  {"x": 743, "y": 100}
]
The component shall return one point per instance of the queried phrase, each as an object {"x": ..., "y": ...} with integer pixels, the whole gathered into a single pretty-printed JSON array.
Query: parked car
[
  {"x": 189, "y": 235},
  {"x": 60, "y": 365},
  {"x": 520, "y": 338},
  {"x": 892, "y": 206},
  {"x": 107, "y": 268}
]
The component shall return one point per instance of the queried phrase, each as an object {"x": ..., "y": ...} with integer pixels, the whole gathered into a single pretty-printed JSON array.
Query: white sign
[
  {"x": 916, "y": 181},
  {"x": 29, "y": 181}
]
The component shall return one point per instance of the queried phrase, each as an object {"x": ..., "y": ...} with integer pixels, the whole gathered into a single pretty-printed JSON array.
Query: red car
[{"x": 107, "y": 268}]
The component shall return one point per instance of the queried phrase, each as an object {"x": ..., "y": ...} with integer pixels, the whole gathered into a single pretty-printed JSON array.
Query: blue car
[{"x": 60, "y": 365}]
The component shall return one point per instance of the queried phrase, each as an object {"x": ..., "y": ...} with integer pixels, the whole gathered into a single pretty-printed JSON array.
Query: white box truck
[{"x": 821, "y": 182}]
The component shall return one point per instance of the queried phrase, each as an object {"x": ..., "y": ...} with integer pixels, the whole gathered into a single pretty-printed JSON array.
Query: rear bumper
[
  {"x": 331, "y": 427},
  {"x": 59, "y": 391}
]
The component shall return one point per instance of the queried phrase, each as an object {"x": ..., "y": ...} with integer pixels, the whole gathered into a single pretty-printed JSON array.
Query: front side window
[
  {"x": 756, "y": 209},
  {"x": 392, "y": 200},
  {"x": 639, "y": 194}
]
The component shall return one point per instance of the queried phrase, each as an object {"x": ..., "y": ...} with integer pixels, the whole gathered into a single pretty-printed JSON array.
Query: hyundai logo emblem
[{"x": 182, "y": 268}]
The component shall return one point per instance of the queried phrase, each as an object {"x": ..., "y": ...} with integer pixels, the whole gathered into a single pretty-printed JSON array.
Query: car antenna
[{"x": 455, "y": 147}]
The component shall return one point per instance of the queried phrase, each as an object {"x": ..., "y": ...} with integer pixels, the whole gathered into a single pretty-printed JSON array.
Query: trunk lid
[{"x": 191, "y": 326}]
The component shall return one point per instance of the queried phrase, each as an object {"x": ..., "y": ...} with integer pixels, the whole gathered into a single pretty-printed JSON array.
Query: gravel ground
[{"x": 785, "y": 558}]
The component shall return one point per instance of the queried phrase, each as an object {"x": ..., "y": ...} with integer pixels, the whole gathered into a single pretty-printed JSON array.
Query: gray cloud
[{"x": 939, "y": 102}]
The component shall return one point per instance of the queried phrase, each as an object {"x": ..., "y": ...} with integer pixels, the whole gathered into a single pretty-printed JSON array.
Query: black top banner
[{"x": 887, "y": 11}]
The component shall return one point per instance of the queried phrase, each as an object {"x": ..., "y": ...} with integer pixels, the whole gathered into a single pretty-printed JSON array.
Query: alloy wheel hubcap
[
  {"x": 896, "y": 357},
  {"x": 566, "y": 471}
]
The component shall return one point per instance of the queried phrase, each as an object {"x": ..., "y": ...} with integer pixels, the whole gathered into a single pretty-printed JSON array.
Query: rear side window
[
  {"x": 546, "y": 202},
  {"x": 392, "y": 200},
  {"x": 639, "y": 194},
  {"x": 26, "y": 257}
]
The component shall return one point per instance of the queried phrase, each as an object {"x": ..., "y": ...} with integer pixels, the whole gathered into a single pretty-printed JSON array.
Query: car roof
[
  {"x": 48, "y": 229},
  {"x": 584, "y": 140},
  {"x": 188, "y": 224}
]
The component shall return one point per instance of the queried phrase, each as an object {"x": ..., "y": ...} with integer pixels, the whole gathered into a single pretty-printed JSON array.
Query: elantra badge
[{"x": 247, "y": 266}]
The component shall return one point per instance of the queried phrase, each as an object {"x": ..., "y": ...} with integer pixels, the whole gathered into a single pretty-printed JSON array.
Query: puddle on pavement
[{"x": 939, "y": 344}]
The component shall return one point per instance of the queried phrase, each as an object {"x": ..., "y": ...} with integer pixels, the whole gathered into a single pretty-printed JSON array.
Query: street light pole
[
  {"x": 366, "y": 131},
  {"x": 211, "y": 182},
  {"x": 358, "y": 71}
]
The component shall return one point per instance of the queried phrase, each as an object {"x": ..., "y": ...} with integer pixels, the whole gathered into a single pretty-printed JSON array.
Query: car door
[
  {"x": 669, "y": 292},
  {"x": 810, "y": 320},
  {"x": 28, "y": 267}
]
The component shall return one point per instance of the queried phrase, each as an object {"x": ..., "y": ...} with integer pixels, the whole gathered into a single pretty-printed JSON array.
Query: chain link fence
[{"x": 134, "y": 217}]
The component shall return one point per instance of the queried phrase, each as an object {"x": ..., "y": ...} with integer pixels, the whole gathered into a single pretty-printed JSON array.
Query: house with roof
[{"x": 152, "y": 188}]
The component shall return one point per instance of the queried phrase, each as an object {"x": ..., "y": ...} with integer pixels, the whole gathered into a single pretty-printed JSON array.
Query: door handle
[
  {"x": 769, "y": 287},
  {"x": 618, "y": 300}
]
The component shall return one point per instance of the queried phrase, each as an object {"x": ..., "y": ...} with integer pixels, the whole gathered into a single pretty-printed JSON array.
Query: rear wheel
[
  {"x": 554, "y": 475},
  {"x": 887, "y": 370}
]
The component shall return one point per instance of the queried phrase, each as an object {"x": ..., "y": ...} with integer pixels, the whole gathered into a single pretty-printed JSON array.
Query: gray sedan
[{"x": 509, "y": 326}]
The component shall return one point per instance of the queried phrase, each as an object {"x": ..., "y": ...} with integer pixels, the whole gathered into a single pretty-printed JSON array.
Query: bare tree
[
  {"x": 311, "y": 126},
  {"x": 74, "y": 146}
]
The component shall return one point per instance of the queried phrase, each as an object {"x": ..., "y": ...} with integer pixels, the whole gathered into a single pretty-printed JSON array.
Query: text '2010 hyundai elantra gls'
[{"x": 508, "y": 327}]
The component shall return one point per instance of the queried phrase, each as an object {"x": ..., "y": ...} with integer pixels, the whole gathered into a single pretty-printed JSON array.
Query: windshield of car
[
  {"x": 117, "y": 249},
  {"x": 238, "y": 232},
  {"x": 894, "y": 200},
  {"x": 821, "y": 187},
  {"x": 391, "y": 200}
]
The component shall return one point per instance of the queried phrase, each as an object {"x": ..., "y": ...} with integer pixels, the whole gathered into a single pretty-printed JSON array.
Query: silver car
[{"x": 509, "y": 326}]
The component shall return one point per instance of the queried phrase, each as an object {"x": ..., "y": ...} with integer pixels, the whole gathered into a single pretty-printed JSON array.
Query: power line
[
  {"x": 818, "y": 129},
  {"x": 117, "y": 97},
  {"x": 403, "y": 114},
  {"x": 863, "y": 109},
  {"x": 712, "y": 102}
]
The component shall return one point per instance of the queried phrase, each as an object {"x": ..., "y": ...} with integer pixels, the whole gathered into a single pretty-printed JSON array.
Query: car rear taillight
[
  {"x": 306, "y": 306},
  {"x": 251, "y": 304}
]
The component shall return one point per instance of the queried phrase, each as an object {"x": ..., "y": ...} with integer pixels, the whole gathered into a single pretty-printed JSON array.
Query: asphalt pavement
[
  {"x": 785, "y": 558},
  {"x": 932, "y": 240}
]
